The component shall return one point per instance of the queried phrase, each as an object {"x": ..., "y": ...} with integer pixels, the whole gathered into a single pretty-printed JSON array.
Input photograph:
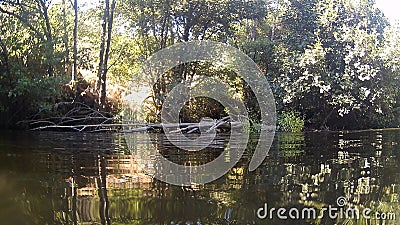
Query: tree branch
[{"x": 24, "y": 22}]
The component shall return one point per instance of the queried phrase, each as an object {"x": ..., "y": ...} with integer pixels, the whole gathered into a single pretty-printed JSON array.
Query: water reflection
[{"x": 75, "y": 178}]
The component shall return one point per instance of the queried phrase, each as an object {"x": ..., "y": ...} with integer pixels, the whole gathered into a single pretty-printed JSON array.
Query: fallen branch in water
[
  {"x": 82, "y": 118},
  {"x": 74, "y": 116},
  {"x": 139, "y": 127},
  {"x": 189, "y": 127}
]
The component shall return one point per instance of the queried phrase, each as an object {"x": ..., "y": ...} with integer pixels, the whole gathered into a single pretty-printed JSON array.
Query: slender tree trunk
[
  {"x": 75, "y": 72},
  {"x": 66, "y": 40},
  {"x": 105, "y": 51},
  {"x": 4, "y": 52},
  {"x": 102, "y": 68},
  {"x": 49, "y": 37}
]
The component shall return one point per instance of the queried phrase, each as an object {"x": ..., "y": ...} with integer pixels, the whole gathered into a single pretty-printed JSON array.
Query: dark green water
[{"x": 77, "y": 178}]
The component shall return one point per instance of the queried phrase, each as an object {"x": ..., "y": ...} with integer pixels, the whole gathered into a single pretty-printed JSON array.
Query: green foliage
[
  {"x": 290, "y": 121},
  {"x": 31, "y": 96},
  {"x": 201, "y": 107},
  {"x": 335, "y": 62},
  {"x": 338, "y": 75},
  {"x": 161, "y": 24},
  {"x": 31, "y": 61}
]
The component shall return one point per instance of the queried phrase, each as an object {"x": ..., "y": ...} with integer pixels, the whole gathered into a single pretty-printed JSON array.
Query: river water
[{"x": 93, "y": 178}]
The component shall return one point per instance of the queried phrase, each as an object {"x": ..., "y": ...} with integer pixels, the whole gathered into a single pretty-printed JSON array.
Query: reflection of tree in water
[
  {"x": 362, "y": 167},
  {"x": 290, "y": 144},
  {"x": 355, "y": 173}
]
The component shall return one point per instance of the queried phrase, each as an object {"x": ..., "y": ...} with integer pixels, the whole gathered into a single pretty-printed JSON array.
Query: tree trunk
[
  {"x": 75, "y": 72},
  {"x": 66, "y": 40},
  {"x": 105, "y": 51},
  {"x": 4, "y": 52},
  {"x": 100, "y": 74},
  {"x": 49, "y": 37}
]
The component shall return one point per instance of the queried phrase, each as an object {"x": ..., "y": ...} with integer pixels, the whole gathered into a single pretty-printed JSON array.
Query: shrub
[{"x": 290, "y": 121}]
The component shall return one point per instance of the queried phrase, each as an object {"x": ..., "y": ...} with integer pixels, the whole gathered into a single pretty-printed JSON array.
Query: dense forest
[{"x": 332, "y": 64}]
